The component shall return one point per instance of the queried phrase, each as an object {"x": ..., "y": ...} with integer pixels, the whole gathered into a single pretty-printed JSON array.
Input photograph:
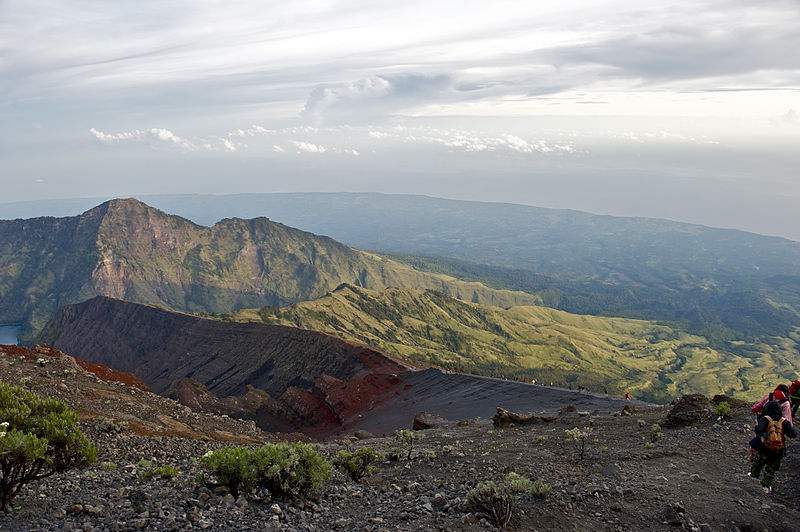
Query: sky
[{"x": 682, "y": 110}]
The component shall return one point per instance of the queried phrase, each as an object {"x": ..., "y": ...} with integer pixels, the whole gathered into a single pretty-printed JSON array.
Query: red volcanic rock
[
  {"x": 318, "y": 419},
  {"x": 348, "y": 399}
]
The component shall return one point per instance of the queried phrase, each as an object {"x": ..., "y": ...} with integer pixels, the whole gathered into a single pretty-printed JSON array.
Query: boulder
[
  {"x": 424, "y": 420},
  {"x": 690, "y": 409}
]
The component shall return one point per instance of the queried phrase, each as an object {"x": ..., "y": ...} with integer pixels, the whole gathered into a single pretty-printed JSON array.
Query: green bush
[
  {"x": 108, "y": 466},
  {"x": 40, "y": 437},
  {"x": 166, "y": 471},
  {"x": 655, "y": 432},
  {"x": 231, "y": 467},
  {"x": 294, "y": 469},
  {"x": 357, "y": 465},
  {"x": 285, "y": 469},
  {"x": 497, "y": 500},
  {"x": 517, "y": 482},
  {"x": 540, "y": 489},
  {"x": 723, "y": 409}
]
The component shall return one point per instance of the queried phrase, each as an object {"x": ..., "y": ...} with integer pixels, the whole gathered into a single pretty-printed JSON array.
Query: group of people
[{"x": 775, "y": 422}]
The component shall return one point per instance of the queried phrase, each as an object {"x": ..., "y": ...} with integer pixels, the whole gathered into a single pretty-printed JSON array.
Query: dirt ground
[{"x": 691, "y": 476}]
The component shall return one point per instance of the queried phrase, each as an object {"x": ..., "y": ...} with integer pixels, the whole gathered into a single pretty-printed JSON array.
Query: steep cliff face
[
  {"x": 284, "y": 378},
  {"x": 128, "y": 250}
]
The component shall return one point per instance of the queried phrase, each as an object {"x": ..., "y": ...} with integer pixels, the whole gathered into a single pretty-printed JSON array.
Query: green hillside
[
  {"x": 128, "y": 250},
  {"x": 653, "y": 362},
  {"x": 725, "y": 284}
]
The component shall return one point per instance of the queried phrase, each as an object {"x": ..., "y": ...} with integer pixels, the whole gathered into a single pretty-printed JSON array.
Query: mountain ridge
[
  {"x": 599, "y": 353},
  {"x": 127, "y": 249}
]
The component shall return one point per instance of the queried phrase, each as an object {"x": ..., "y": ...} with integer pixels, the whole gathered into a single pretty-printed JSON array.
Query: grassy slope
[{"x": 652, "y": 361}]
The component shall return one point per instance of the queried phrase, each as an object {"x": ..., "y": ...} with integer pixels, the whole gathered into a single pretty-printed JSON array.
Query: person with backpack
[
  {"x": 781, "y": 395},
  {"x": 771, "y": 431},
  {"x": 794, "y": 396}
]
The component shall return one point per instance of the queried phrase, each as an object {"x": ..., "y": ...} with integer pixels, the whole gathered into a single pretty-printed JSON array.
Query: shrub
[
  {"x": 358, "y": 465},
  {"x": 407, "y": 439},
  {"x": 395, "y": 454},
  {"x": 578, "y": 437},
  {"x": 497, "y": 500},
  {"x": 108, "y": 466},
  {"x": 110, "y": 426},
  {"x": 230, "y": 466},
  {"x": 540, "y": 489},
  {"x": 655, "y": 432},
  {"x": 294, "y": 469},
  {"x": 723, "y": 409},
  {"x": 517, "y": 482},
  {"x": 41, "y": 438},
  {"x": 166, "y": 471},
  {"x": 641, "y": 422}
]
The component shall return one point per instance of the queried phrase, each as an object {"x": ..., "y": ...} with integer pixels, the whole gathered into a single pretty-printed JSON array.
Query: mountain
[
  {"x": 128, "y": 250},
  {"x": 284, "y": 378},
  {"x": 724, "y": 284},
  {"x": 652, "y": 361}
]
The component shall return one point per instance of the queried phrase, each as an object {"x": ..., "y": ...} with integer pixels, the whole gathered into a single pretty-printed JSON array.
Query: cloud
[
  {"x": 679, "y": 52},
  {"x": 160, "y": 138},
  {"x": 508, "y": 142},
  {"x": 373, "y": 99},
  {"x": 308, "y": 147}
]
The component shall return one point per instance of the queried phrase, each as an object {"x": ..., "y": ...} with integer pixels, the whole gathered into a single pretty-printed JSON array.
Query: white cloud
[
  {"x": 308, "y": 147},
  {"x": 160, "y": 138}
]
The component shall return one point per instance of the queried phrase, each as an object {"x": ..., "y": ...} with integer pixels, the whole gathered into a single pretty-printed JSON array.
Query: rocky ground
[{"x": 693, "y": 477}]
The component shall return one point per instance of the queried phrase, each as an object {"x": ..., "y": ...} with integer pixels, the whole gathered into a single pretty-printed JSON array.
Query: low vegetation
[
  {"x": 578, "y": 438},
  {"x": 359, "y": 464},
  {"x": 40, "y": 437},
  {"x": 497, "y": 500},
  {"x": 654, "y": 362},
  {"x": 283, "y": 469}
]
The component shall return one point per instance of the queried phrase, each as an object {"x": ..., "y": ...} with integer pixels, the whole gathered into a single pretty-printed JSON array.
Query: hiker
[
  {"x": 781, "y": 395},
  {"x": 628, "y": 395},
  {"x": 794, "y": 396},
  {"x": 770, "y": 444}
]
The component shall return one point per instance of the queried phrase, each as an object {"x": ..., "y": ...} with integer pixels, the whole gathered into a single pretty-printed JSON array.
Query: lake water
[{"x": 8, "y": 334}]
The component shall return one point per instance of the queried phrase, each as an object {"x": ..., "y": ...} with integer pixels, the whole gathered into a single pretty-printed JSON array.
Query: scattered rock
[{"x": 424, "y": 421}]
